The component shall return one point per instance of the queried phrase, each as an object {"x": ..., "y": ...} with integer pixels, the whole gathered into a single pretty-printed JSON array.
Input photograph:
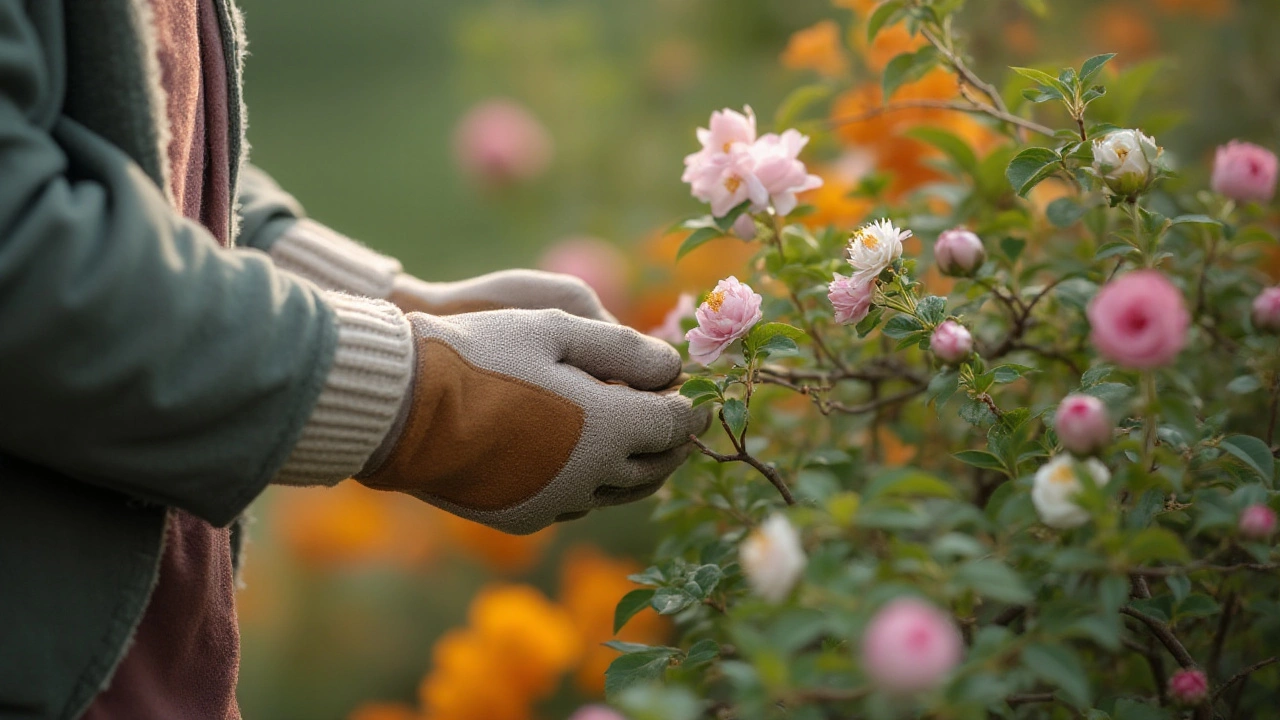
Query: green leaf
[
  {"x": 1059, "y": 666},
  {"x": 1044, "y": 79},
  {"x": 933, "y": 309},
  {"x": 1155, "y": 543},
  {"x": 1134, "y": 710},
  {"x": 703, "y": 651},
  {"x": 1196, "y": 606},
  {"x": 763, "y": 332},
  {"x": 1005, "y": 374},
  {"x": 1252, "y": 452},
  {"x": 1109, "y": 392},
  {"x": 669, "y": 601},
  {"x": 1244, "y": 385},
  {"x": 630, "y": 604},
  {"x": 993, "y": 579},
  {"x": 951, "y": 145},
  {"x": 636, "y": 668},
  {"x": 942, "y": 386},
  {"x": 1194, "y": 220},
  {"x": 980, "y": 458},
  {"x": 1064, "y": 212},
  {"x": 976, "y": 413},
  {"x": 908, "y": 67},
  {"x": 725, "y": 223},
  {"x": 697, "y": 387},
  {"x": 735, "y": 414},
  {"x": 1113, "y": 249},
  {"x": 778, "y": 345},
  {"x": 697, "y": 238},
  {"x": 799, "y": 100},
  {"x": 881, "y": 16},
  {"x": 1095, "y": 375},
  {"x": 1092, "y": 66},
  {"x": 706, "y": 577},
  {"x": 869, "y": 323},
  {"x": 1029, "y": 167},
  {"x": 900, "y": 326},
  {"x": 908, "y": 482}
]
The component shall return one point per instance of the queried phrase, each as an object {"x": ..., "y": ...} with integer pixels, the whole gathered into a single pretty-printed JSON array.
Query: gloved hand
[
  {"x": 520, "y": 418},
  {"x": 524, "y": 289}
]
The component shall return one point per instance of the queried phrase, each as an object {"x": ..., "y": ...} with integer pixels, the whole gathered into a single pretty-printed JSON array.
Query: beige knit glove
[
  {"x": 521, "y": 418},
  {"x": 526, "y": 289}
]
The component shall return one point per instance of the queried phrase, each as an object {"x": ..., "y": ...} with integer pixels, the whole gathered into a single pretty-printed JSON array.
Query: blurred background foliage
[{"x": 362, "y": 604}]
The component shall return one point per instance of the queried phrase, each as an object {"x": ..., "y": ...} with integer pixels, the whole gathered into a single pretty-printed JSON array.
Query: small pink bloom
[
  {"x": 910, "y": 646},
  {"x": 727, "y": 128},
  {"x": 729, "y": 312},
  {"x": 744, "y": 227},
  {"x": 1266, "y": 310},
  {"x": 1257, "y": 522},
  {"x": 1243, "y": 171},
  {"x": 1083, "y": 424},
  {"x": 1189, "y": 687},
  {"x": 596, "y": 712},
  {"x": 670, "y": 329},
  {"x": 780, "y": 171},
  {"x": 499, "y": 141},
  {"x": 597, "y": 263},
  {"x": 951, "y": 342},
  {"x": 1139, "y": 321},
  {"x": 851, "y": 298},
  {"x": 959, "y": 252}
]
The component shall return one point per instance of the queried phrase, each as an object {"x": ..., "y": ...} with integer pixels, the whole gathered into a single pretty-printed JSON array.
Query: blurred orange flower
[
  {"x": 533, "y": 640},
  {"x": 816, "y": 48},
  {"x": 1123, "y": 29},
  {"x": 591, "y": 584},
  {"x": 467, "y": 682},
  {"x": 890, "y": 42},
  {"x": 832, "y": 205},
  {"x": 1021, "y": 38},
  {"x": 350, "y": 524},
  {"x": 497, "y": 550}
]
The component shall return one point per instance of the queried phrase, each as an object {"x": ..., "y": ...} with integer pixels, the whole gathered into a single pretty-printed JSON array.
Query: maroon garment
[{"x": 185, "y": 653}]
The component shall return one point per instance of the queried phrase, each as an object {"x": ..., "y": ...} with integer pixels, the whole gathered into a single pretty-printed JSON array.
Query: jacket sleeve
[
  {"x": 134, "y": 352},
  {"x": 265, "y": 210}
]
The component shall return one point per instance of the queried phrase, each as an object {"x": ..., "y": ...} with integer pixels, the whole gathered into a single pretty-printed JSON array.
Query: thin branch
[
  {"x": 962, "y": 69},
  {"x": 870, "y": 405},
  {"x": 1240, "y": 676},
  {"x": 1169, "y": 570},
  {"x": 743, "y": 456},
  {"x": 953, "y": 105},
  {"x": 1164, "y": 635}
]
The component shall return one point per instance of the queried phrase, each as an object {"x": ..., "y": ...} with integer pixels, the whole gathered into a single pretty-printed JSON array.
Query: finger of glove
[
  {"x": 615, "y": 353},
  {"x": 641, "y": 476},
  {"x": 536, "y": 290},
  {"x": 657, "y": 422}
]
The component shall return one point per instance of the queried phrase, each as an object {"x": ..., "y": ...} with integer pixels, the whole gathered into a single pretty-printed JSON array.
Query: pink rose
[
  {"x": 1266, "y": 310},
  {"x": 499, "y": 141},
  {"x": 910, "y": 646},
  {"x": 596, "y": 712},
  {"x": 670, "y": 329},
  {"x": 729, "y": 312},
  {"x": 1243, "y": 171},
  {"x": 779, "y": 170},
  {"x": 1083, "y": 424},
  {"x": 596, "y": 262},
  {"x": 1257, "y": 522},
  {"x": 851, "y": 298},
  {"x": 959, "y": 252},
  {"x": 951, "y": 342},
  {"x": 725, "y": 180},
  {"x": 1139, "y": 321},
  {"x": 1189, "y": 687}
]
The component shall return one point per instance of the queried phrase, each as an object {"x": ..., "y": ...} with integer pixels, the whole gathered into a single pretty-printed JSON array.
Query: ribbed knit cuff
[
  {"x": 334, "y": 261},
  {"x": 367, "y": 383}
]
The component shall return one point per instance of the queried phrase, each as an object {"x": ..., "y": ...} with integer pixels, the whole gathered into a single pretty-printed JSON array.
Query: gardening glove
[
  {"x": 520, "y": 418},
  {"x": 335, "y": 262}
]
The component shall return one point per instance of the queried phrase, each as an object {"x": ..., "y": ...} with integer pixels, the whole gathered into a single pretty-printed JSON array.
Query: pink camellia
[
  {"x": 598, "y": 263},
  {"x": 1083, "y": 424},
  {"x": 1266, "y": 310},
  {"x": 1243, "y": 172},
  {"x": 1257, "y": 522},
  {"x": 596, "y": 712},
  {"x": 851, "y": 298},
  {"x": 779, "y": 170},
  {"x": 951, "y": 342},
  {"x": 1139, "y": 321},
  {"x": 499, "y": 142},
  {"x": 728, "y": 313},
  {"x": 1189, "y": 686},
  {"x": 959, "y": 252},
  {"x": 910, "y": 646},
  {"x": 670, "y": 329}
]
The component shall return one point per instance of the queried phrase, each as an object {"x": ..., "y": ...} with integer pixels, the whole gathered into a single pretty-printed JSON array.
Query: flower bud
[
  {"x": 951, "y": 342},
  {"x": 1266, "y": 310},
  {"x": 910, "y": 646},
  {"x": 1055, "y": 486},
  {"x": 1244, "y": 172},
  {"x": 1257, "y": 522},
  {"x": 959, "y": 252},
  {"x": 1188, "y": 687},
  {"x": 1126, "y": 161},
  {"x": 745, "y": 227},
  {"x": 772, "y": 558},
  {"x": 1083, "y": 425}
]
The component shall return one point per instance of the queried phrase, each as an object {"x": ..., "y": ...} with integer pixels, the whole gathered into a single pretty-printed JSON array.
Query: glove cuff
[
  {"x": 367, "y": 384},
  {"x": 334, "y": 261}
]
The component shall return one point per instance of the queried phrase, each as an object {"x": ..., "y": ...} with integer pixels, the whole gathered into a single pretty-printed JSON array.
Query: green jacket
[{"x": 141, "y": 365}]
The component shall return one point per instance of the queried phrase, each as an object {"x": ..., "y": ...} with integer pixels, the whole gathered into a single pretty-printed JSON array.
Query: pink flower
[
  {"x": 727, "y": 128},
  {"x": 959, "y": 252},
  {"x": 1243, "y": 171},
  {"x": 725, "y": 180},
  {"x": 1266, "y": 309},
  {"x": 910, "y": 646},
  {"x": 596, "y": 712},
  {"x": 1257, "y": 522},
  {"x": 951, "y": 342},
  {"x": 499, "y": 141},
  {"x": 597, "y": 263},
  {"x": 1139, "y": 321},
  {"x": 851, "y": 298},
  {"x": 1083, "y": 424},
  {"x": 728, "y": 313},
  {"x": 670, "y": 329},
  {"x": 779, "y": 170},
  {"x": 1189, "y": 687}
]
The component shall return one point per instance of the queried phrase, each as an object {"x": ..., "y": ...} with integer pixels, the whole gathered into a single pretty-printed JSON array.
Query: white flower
[
  {"x": 1056, "y": 484},
  {"x": 874, "y": 247},
  {"x": 1124, "y": 159},
  {"x": 772, "y": 558}
]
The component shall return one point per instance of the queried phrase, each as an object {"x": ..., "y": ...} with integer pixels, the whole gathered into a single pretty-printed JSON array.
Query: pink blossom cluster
[{"x": 734, "y": 165}]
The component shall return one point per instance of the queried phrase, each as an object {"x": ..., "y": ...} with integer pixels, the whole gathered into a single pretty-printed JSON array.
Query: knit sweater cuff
[
  {"x": 333, "y": 261},
  {"x": 367, "y": 383}
]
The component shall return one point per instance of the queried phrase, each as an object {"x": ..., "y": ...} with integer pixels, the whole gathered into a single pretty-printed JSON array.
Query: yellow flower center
[
  {"x": 1122, "y": 153},
  {"x": 715, "y": 300},
  {"x": 1064, "y": 474},
  {"x": 732, "y": 183},
  {"x": 866, "y": 239},
  {"x": 727, "y": 146}
]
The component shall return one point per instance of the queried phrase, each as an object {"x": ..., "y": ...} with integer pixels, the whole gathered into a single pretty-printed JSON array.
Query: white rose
[
  {"x": 874, "y": 247},
  {"x": 1124, "y": 159},
  {"x": 772, "y": 558},
  {"x": 1056, "y": 484}
]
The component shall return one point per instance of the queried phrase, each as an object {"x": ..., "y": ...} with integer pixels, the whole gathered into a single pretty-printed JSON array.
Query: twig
[
  {"x": 1169, "y": 570},
  {"x": 1164, "y": 635},
  {"x": 743, "y": 456},
  {"x": 873, "y": 404},
  {"x": 962, "y": 69},
  {"x": 954, "y": 105},
  {"x": 1240, "y": 676}
]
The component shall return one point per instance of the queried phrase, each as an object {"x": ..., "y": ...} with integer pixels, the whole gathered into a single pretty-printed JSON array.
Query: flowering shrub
[{"x": 1086, "y": 390}]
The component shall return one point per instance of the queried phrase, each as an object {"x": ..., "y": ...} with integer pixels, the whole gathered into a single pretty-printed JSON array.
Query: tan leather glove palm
[
  {"x": 515, "y": 420},
  {"x": 514, "y": 289}
]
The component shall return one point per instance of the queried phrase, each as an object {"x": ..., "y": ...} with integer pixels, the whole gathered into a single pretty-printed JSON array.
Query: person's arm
[{"x": 136, "y": 354}]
